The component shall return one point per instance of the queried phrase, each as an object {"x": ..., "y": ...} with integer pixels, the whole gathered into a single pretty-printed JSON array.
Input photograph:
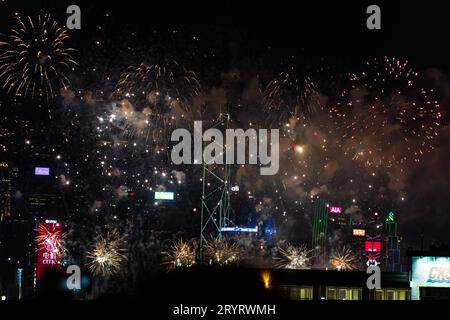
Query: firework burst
[
  {"x": 107, "y": 254},
  {"x": 181, "y": 254},
  {"x": 294, "y": 257},
  {"x": 385, "y": 119},
  {"x": 221, "y": 251},
  {"x": 344, "y": 259},
  {"x": 289, "y": 98},
  {"x": 49, "y": 238},
  {"x": 35, "y": 58},
  {"x": 161, "y": 95}
]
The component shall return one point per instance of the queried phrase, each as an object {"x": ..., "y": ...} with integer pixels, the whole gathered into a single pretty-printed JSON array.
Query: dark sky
[
  {"x": 248, "y": 35},
  {"x": 330, "y": 28}
]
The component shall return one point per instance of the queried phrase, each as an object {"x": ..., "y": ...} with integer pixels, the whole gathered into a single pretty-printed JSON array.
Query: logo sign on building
[
  {"x": 239, "y": 229},
  {"x": 359, "y": 232},
  {"x": 372, "y": 246},
  {"x": 429, "y": 272},
  {"x": 164, "y": 195},
  {"x": 335, "y": 210},
  {"x": 390, "y": 217},
  {"x": 49, "y": 246},
  {"x": 41, "y": 171}
]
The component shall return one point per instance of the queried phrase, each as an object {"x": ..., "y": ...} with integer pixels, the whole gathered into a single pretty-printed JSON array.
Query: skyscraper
[
  {"x": 392, "y": 259},
  {"x": 319, "y": 230},
  {"x": 7, "y": 175}
]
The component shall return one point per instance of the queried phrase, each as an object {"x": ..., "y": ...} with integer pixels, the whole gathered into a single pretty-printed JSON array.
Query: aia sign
[{"x": 335, "y": 210}]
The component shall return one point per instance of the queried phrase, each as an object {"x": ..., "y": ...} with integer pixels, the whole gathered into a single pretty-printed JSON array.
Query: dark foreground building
[
  {"x": 277, "y": 284},
  {"x": 338, "y": 285},
  {"x": 428, "y": 278}
]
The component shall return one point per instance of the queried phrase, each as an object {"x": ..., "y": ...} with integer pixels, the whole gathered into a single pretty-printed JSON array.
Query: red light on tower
[{"x": 49, "y": 246}]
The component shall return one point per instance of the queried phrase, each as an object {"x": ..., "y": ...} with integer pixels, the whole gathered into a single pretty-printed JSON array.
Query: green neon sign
[{"x": 164, "y": 195}]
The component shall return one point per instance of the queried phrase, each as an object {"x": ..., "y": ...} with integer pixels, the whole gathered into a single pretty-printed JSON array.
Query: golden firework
[
  {"x": 34, "y": 58},
  {"x": 344, "y": 259},
  {"x": 107, "y": 254},
  {"x": 161, "y": 96},
  {"x": 294, "y": 257},
  {"x": 221, "y": 251},
  {"x": 181, "y": 254}
]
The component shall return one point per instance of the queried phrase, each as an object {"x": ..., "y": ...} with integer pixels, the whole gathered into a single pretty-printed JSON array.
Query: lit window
[
  {"x": 343, "y": 294},
  {"x": 356, "y": 294},
  {"x": 331, "y": 294},
  {"x": 390, "y": 295},
  {"x": 403, "y": 295},
  {"x": 379, "y": 294},
  {"x": 306, "y": 293},
  {"x": 298, "y": 293}
]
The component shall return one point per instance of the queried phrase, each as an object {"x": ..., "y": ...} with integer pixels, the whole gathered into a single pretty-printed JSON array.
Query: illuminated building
[
  {"x": 357, "y": 244},
  {"x": 338, "y": 285},
  {"x": 319, "y": 230},
  {"x": 7, "y": 173},
  {"x": 392, "y": 260},
  {"x": 49, "y": 246},
  {"x": 429, "y": 274},
  {"x": 337, "y": 217},
  {"x": 41, "y": 196}
]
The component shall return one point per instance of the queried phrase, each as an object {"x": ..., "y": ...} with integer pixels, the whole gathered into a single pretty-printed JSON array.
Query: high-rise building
[
  {"x": 7, "y": 176},
  {"x": 319, "y": 230},
  {"x": 392, "y": 257}
]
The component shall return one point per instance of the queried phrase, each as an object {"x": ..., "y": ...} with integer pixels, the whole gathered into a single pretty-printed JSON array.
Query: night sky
[{"x": 238, "y": 47}]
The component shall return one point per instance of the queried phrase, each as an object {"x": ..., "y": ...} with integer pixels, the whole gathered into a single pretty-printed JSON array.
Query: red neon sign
[
  {"x": 49, "y": 247},
  {"x": 372, "y": 246},
  {"x": 335, "y": 210}
]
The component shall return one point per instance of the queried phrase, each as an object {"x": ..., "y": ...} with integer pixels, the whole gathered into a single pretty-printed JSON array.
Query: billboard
[
  {"x": 372, "y": 246},
  {"x": 429, "y": 272},
  {"x": 164, "y": 195},
  {"x": 41, "y": 171},
  {"x": 49, "y": 246},
  {"x": 359, "y": 232},
  {"x": 335, "y": 210}
]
